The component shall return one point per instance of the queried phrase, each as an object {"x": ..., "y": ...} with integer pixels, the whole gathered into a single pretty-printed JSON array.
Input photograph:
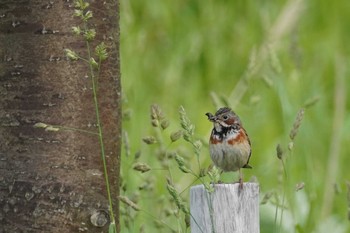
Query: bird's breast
[{"x": 231, "y": 151}]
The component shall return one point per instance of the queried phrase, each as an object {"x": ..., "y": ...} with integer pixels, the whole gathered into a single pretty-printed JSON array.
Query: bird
[{"x": 229, "y": 143}]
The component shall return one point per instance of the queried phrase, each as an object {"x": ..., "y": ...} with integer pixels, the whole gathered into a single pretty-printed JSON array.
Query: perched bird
[{"x": 229, "y": 144}]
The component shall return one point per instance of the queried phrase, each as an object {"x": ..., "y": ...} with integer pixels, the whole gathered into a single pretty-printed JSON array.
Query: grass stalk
[
  {"x": 75, "y": 129},
  {"x": 334, "y": 151},
  {"x": 282, "y": 26},
  {"x": 100, "y": 131}
]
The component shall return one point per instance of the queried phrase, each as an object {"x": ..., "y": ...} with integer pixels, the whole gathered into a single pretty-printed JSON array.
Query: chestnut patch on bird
[{"x": 238, "y": 139}]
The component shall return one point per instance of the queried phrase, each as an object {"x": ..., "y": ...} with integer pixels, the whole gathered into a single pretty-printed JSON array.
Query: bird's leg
[
  {"x": 240, "y": 179},
  {"x": 220, "y": 181}
]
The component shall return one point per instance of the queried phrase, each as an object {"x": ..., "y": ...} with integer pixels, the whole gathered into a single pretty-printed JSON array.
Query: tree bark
[{"x": 54, "y": 181}]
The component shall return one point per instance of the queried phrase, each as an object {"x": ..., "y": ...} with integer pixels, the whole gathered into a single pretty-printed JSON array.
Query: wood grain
[{"x": 233, "y": 210}]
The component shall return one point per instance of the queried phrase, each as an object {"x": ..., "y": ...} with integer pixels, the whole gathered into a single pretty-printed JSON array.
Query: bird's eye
[{"x": 225, "y": 117}]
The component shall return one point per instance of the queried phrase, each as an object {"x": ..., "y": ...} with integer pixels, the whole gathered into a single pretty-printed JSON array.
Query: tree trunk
[{"x": 54, "y": 181}]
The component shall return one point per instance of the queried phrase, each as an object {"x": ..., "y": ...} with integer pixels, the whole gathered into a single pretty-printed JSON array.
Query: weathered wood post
[{"x": 226, "y": 210}]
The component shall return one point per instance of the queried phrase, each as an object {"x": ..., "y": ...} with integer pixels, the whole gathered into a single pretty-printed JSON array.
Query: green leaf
[{"x": 112, "y": 228}]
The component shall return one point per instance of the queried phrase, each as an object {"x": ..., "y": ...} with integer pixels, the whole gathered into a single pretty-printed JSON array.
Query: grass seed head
[
  {"x": 293, "y": 133},
  {"x": 142, "y": 167},
  {"x": 149, "y": 140},
  {"x": 279, "y": 151},
  {"x": 176, "y": 135}
]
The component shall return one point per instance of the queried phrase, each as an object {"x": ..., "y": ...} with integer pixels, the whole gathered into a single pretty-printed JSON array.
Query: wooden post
[{"x": 226, "y": 210}]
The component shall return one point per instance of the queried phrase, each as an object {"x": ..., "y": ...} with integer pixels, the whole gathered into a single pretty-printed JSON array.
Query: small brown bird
[{"x": 229, "y": 144}]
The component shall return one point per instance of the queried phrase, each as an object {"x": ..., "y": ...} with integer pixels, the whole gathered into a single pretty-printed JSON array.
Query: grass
[{"x": 266, "y": 59}]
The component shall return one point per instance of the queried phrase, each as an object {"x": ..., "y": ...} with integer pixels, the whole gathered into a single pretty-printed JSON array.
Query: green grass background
[{"x": 266, "y": 59}]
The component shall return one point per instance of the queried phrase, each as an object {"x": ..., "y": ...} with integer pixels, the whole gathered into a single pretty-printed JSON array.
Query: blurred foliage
[{"x": 267, "y": 60}]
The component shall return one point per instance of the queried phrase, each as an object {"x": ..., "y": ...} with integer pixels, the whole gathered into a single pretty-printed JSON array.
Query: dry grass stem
[{"x": 128, "y": 202}]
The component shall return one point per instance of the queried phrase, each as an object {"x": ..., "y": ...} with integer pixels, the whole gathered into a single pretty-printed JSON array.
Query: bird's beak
[{"x": 211, "y": 117}]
